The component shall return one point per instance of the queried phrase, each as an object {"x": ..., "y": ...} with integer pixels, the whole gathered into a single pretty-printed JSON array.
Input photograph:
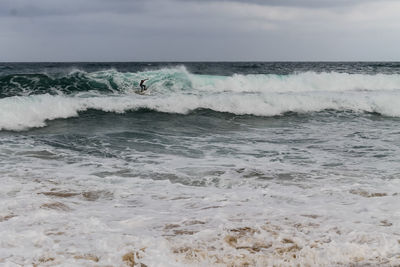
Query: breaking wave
[{"x": 30, "y": 100}]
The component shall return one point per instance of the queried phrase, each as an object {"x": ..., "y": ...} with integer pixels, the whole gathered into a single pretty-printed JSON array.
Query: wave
[
  {"x": 24, "y": 112},
  {"x": 104, "y": 82},
  {"x": 178, "y": 79},
  {"x": 175, "y": 90}
]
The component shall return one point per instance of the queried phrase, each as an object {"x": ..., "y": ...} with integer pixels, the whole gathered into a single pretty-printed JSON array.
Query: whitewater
[
  {"x": 218, "y": 164},
  {"x": 178, "y": 91}
]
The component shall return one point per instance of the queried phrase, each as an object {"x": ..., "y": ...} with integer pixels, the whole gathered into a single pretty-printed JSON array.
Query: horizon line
[{"x": 214, "y": 61}]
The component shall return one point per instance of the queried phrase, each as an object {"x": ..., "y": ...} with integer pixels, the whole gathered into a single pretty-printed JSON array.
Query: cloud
[
  {"x": 198, "y": 30},
  {"x": 295, "y": 3},
  {"x": 28, "y": 8}
]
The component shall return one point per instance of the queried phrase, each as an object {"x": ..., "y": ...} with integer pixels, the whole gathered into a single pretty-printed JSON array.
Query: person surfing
[{"x": 143, "y": 87}]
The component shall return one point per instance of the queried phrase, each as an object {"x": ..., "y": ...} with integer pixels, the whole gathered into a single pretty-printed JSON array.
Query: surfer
[{"x": 142, "y": 86}]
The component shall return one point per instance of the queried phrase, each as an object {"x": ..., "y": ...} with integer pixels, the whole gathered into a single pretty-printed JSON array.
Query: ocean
[{"x": 217, "y": 164}]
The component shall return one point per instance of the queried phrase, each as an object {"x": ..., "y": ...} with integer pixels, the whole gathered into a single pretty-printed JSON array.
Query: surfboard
[{"x": 142, "y": 92}]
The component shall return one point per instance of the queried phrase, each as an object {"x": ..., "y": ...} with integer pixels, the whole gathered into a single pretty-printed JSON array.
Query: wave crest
[{"x": 21, "y": 113}]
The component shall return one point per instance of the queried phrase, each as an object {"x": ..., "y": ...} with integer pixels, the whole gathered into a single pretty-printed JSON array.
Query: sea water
[{"x": 219, "y": 164}]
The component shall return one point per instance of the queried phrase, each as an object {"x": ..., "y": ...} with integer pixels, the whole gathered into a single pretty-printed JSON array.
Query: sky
[{"x": 199, "y": 30}]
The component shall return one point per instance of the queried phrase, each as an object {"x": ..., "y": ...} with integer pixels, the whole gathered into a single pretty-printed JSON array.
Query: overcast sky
[{"x": 199, "y": 30}]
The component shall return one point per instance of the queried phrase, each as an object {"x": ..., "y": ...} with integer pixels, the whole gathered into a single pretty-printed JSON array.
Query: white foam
[
  {"x": 23, "y": 112},
  {"x": 308, "y": 222},
  {"x": 300, "y": 82},
  {"x": 269, "y": 201}
]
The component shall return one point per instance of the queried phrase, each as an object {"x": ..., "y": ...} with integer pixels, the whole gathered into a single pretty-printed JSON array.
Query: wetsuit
[{"x": 142, "y": 86}]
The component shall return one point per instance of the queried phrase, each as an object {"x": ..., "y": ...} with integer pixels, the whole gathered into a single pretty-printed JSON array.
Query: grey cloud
[
  {"x": 295, "y": 3},
  {"x": 125, "y": 30},
  {"x": 27, "y": 8}
]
